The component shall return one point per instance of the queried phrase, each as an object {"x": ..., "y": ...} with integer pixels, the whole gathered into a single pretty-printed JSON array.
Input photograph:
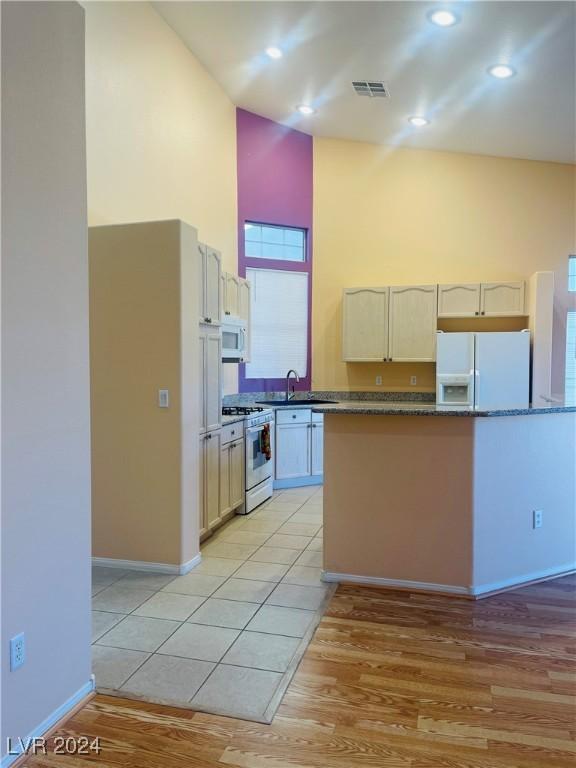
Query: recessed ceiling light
[
  {"x": 502, "y": 71},
  {"x": 443, "y": 18},
  {"x": 305, "y": 109},
  {"x": 418, "y": 121},
  {"x": 274, "y": 52}
]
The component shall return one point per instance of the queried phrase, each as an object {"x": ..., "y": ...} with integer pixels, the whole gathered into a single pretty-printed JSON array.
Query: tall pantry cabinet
[
  {"x": 146, "y": 391},
  {"x": 209, "y": 275}
]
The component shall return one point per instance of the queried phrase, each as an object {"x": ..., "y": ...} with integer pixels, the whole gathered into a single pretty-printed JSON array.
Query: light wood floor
[{"x": 391, "y": 680}]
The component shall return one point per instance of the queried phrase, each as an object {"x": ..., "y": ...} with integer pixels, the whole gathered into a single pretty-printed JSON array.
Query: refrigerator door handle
[{"x": 476, "y": 389}]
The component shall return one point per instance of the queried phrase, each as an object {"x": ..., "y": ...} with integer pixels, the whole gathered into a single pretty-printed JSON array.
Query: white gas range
[{"x": 259, "y": 458}]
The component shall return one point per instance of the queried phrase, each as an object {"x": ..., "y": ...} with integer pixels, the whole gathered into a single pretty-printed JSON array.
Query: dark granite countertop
[{"x": 366, "y": 408}]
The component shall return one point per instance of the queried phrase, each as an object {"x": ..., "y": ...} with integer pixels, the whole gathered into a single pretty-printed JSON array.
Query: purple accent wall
[{"x": 275, "y": 186}]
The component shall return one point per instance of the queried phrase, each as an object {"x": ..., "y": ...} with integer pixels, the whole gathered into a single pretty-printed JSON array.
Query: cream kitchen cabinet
[
  {"x": 481, "y": 299},
  {"x": 412, "y": 323},
  {"x": 244, "y": 312},
  {"x": 231, "y": 477},
  {"x": 502, "y": 299},
  {"x": 210, "y": 378},
  {"x": 231, "y": 295},
  {"x": 365, "y": 325},
  {"x": 459, "y": 300},
  {"x": 299, "y": 445},
  {"x": 209, "y": 481},
  {"x": 317, "y": 445},
  {"x": 209, "y": 284}
]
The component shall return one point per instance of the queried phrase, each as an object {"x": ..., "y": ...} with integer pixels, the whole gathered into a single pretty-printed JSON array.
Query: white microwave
[{"x": 233, "y": 340}]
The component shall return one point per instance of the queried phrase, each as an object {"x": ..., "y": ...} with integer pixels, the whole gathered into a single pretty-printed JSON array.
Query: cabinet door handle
[
  {"x": 476, "y": 313},
  {"x": 232, "y": 432},
  {"x": 483, "y": 313},
  {"x": 208, "y": 437},
  {"x": 294, "y": 416}
]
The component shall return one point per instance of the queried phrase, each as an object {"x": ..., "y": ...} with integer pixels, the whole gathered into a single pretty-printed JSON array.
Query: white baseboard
[
  {"x": 526, "y": 578},
  {"x": 451, "y": 589},
  {"x": 48, "y": 723},
  {"x": 144, "y": 565},
  {"x": 376, "y": 581}
]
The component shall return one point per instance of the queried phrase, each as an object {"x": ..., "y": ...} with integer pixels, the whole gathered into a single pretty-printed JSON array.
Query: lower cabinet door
[
  {"x": 317, "y": 449},
  {"x": 202, "y": 523},
  {"x": 225, "y": 456},
  {"x": 236, "y": 474},
  {"x": 212, "y": 478},
  {"x": 292, "y": 450}
]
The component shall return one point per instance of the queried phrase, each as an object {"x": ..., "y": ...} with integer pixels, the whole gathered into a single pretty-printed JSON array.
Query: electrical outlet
[
  {"x": 537, "y": 518},
  {"x": 413, "y": 381},
  {"x": 163, "y": 398},
  {"x": 17, "y": 651},
  {"x": 378, "y": 381}
]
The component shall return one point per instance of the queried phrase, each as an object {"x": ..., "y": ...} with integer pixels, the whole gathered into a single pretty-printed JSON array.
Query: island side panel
[
  {"x": 398, "y": 499},
  {"x": 522, "y": 464}
]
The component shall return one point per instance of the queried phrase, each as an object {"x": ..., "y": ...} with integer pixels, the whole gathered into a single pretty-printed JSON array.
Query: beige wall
[
  {"x": 45, "y": 527},
  {"x": 161, "y": 133},
  {"x": 447, "y": 501},
  {"x": 144, "y": 337},
  {"x": 404, "y": 216},
  {"x": 522, "y": 464},
  {"x": 391, "y": 508}
]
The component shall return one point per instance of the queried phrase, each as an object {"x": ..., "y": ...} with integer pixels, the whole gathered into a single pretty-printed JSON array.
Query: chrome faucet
[{"x": 288, "y": 396}]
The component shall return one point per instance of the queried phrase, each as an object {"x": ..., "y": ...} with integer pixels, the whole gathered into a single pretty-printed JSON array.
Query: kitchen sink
[{"x": 293, "y": 403}]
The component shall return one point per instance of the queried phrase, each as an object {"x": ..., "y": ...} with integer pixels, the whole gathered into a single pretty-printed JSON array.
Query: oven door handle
[{"x": 253, "y": 430}]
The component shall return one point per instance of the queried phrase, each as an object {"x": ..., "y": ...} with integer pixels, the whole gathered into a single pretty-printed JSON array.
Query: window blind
[
  {"x": 570, "y": 393},
  {"x": 279, "y": 323}
]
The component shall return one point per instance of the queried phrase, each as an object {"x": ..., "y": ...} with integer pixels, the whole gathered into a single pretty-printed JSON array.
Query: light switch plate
[{"x": 163, "y": 398}]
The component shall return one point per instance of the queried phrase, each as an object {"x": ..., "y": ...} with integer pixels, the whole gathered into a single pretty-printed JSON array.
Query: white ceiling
[{"x": 429, "y": 70}]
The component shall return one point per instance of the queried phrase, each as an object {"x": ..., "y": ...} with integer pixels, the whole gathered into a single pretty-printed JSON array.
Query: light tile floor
[{"x": 226, "y": 637}]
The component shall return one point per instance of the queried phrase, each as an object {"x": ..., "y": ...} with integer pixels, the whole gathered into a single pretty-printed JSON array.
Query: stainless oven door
[{"x": 258, "y": 468}]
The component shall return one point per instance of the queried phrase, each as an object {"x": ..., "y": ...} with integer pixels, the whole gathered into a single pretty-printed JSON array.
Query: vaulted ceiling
[{"x": 439, "y": 73}]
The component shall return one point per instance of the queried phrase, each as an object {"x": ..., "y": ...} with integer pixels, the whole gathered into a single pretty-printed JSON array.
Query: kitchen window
[
  {"x": 277, "y": 264},
  {"x": 264, "y": 241},
  {"x": 570, "y": 389}
]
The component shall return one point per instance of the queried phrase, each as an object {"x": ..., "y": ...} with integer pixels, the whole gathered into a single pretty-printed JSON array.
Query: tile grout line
[{"x": 211, "y": 596}]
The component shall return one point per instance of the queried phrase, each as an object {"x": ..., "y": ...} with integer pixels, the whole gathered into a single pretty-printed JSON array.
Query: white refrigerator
[{"x": 484, "y": 371}]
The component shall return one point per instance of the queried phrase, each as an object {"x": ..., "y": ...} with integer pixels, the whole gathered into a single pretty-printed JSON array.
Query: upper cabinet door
[
  {"x": 413, "y": 312},
  {"x": 223, "y": 295},
  {"x": 232, "y": 300},
  {"x": 459, "y": 300},
  {"x": 244, "y": 312},
  {"x": 365, "y": 325},
  {"x": 501, "y": 299},
  {"x": 213, "y": 289},
  {"x": 202, "y": 282}
]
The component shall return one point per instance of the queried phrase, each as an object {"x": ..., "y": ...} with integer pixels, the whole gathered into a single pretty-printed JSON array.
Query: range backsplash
[{"x": 396, "y": 397}]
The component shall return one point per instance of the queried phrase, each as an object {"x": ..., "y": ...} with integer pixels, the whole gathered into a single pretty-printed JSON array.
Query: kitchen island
[{"x": 423, "y": 497}]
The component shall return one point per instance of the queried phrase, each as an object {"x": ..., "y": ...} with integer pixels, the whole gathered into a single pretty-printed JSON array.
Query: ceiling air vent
[{"x": 372, "y": 88}]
